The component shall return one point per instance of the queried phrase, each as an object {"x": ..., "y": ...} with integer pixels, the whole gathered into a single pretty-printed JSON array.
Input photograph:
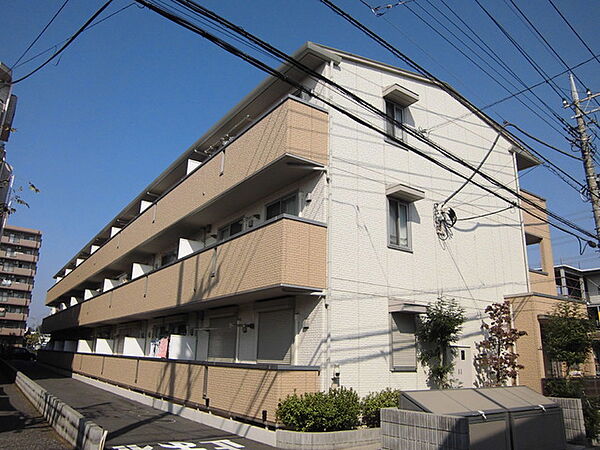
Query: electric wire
[
  {"x": 16, "y": 66},
  {"x": 551, "y": 114},
  {"x": 548, "y": 45},
  {"x": 538, "y": 140},
  {"x": 484, "y": 215},
  {"x": 262, "y": 66},
  {"x": 446, "y": 87},
  {"x": 556, "y": 170},
  {"x": 69, "y": 41},
  {"x": 574, "y": 30},
  {"x": 40, "y": 33}
]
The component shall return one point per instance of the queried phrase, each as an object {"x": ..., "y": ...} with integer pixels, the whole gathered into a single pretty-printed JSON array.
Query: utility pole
[{"x": 586, "y": 150}]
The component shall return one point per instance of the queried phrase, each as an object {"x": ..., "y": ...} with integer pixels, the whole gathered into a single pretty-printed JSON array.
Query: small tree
[
  {"x": 497, "y": 361},
  {"x": 568, "y": 335},
  {"x": 437, "y": 331}
]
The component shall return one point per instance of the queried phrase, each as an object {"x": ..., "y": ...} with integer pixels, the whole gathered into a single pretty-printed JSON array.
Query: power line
[
  {"x": 552, "y": 114},
  {"x": 262, "y": 66},
  {"x": 40, "y": 33},
  {"x": 574, "y": 30},
  {"x": 69, "y": 41},
  {"x": 451, "y": 91},
  {"x": 538, "y": 140}
]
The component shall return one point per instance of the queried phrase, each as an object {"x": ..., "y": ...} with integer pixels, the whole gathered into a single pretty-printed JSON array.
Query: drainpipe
[{"x": 328, "y": 370}]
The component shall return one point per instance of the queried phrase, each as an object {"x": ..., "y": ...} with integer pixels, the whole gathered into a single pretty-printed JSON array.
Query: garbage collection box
[
  {"x": 489, "y": 426},
  {"x": 536, "y": 422}
]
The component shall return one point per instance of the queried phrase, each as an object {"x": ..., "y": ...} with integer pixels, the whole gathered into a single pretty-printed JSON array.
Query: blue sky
[{"x": 132, "y": 93}]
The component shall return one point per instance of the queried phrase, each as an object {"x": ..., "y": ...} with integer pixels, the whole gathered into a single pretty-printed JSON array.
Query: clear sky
[{"x": 100, "y": 123}]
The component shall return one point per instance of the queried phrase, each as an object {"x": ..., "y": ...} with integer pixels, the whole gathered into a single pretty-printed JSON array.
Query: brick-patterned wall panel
[{"x": 262, "y": 144}]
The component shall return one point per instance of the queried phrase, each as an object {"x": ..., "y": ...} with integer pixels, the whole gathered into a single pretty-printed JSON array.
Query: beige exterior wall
[
  {"x": 543, "y": 281},
  {"x": 14, "y": 316},
  {"x": 17, "y": 301},
  {"x": 285, "y": 252},
  {"x": 19, "y": 257},
  {"x": 12, "y": 331},
  {"x": 292, "y": 128},
  {"x": 22, "y": 242},
  {"x": 242, "y": 391},
  {"x": 527, "y": 310}
]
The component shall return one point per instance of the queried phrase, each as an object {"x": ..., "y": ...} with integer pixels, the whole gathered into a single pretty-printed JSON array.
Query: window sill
[
  {"x": 395, "y": 144},
  {"x": 402, "y": 249},
  {"x": 404, "y": 369}
]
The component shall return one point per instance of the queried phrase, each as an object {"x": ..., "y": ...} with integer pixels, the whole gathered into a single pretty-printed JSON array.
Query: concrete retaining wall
[
  {"x": 573, "y": 419},
  {"x": 368, "y": 438},
  {"x": 423, "y": 431},
  {"x": 68, "y": 423}
]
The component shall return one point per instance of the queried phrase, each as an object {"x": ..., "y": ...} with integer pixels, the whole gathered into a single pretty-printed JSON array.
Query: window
[
  {"x": 403, "y": 342},
  {"x": 394, "y": 112},
  {"x": 231, "y": 230},
  {"x": 285, "y": 205},
  {"x": 222, "y": 336},
  {"x": 398, "y": 224},
  {"x": 275, "y": 336}
]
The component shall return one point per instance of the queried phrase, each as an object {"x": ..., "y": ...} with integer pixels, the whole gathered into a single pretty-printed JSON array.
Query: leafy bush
[
  {"x": 372, "y": 403},
  {"x": 573, "y": 388},
  {"x": 334, "y": 410}
]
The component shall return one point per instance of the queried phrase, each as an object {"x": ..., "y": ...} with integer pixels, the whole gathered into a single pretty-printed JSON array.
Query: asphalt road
[
  {"x": 21, "y": 426},
  {"x": 132, "y": 425}
]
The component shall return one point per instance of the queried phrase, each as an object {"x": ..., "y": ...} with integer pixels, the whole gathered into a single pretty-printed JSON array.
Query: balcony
[
  {"x": 17, "y": 301},
  {"x": 278, "y": 258},
  {"x": 273, "y": 153},
  {"x": 26, "y": 287},
  {"x": 19, "y": 317},
  {"x": 21, "y": 242},
  {"x": 19, "y": 256},
  {"x": 235, "y": 390},
  {"x": 17, "y": 271},
  {"x": 12, "y": 331}
]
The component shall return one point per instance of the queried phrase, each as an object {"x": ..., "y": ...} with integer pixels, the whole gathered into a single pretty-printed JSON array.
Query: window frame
[
  {"x": 391, "y": 128},
  {"x": 408, "y": 247},
  {"x": 392, "y": 324},
  {"x": 280, "y": 200},
  {"x": 220, "y": 237}
]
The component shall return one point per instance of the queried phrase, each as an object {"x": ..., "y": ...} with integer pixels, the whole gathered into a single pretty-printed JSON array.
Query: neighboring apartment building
[
  {"x": 531, "y": 309},
  {"x": 582, "y": 285},
  {"x": 290, "y": 249},
  {"x": 19, "y": 253}
]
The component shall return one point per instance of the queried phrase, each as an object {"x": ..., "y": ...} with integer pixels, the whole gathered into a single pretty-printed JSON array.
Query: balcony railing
[
  {"x": 18, "y": 256},
  {"x": 284, "y": 253},
  {"x": 255, "y": 164},
  {"x": 14, "y": 301},
  {"x": 20, "y": 317},
  {"x": 250, "y": 391},
  {"x": 5, "y": 331},
  {"x": 21, "y": 242}
]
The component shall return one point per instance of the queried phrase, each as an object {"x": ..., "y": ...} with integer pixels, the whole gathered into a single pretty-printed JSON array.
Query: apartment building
[
  {"x": 531, "y": 309},
  {"x": 19, "y": 253},
  {"x": 290, "y": 248}
]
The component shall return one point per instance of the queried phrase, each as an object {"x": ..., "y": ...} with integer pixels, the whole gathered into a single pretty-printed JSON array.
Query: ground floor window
[
  {"x": 275, "y": 336},
  {"x": 222, "y": 337},
  {"x": 403, "y": 342}
]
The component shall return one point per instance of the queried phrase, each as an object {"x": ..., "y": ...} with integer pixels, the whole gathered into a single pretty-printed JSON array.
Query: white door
[{"x": 463, "y": 365}]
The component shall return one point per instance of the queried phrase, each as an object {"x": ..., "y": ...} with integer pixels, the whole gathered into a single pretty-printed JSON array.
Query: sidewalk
[
  {"x": 131, "y": 425},
  {"x": 21, "y": 426}
]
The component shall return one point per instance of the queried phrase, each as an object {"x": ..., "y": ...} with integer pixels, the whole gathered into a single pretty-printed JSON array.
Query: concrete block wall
[
  {"x": 573, "y": 419},
  {"x": 401, "y": 429}
]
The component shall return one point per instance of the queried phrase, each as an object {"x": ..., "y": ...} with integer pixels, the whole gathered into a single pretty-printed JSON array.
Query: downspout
[{"x": 326, "y": 382}]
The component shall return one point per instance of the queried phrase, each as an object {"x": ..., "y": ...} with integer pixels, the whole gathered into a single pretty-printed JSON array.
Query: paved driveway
[{"x": 132, "y": 425}]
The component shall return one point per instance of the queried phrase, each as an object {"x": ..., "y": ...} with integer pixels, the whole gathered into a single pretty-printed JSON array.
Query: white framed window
[
  {"x": 403, "y": 342},
  {"x": 275, "y": 336},
  {"x": 231, "y": 229},
  {"x": 284, "y": 205},
  {"x": 398, "y": 224},
  {"x": 394, "y": 112}
]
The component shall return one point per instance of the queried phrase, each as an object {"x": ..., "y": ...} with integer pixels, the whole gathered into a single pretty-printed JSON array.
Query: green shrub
[
  {"x": 372, "y": 403},
  {"x": 334, "y": 410},
  {"x": 573, "y": 388}
]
